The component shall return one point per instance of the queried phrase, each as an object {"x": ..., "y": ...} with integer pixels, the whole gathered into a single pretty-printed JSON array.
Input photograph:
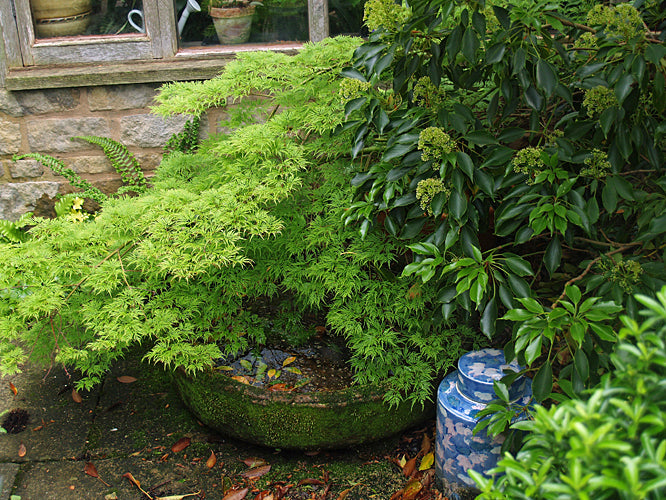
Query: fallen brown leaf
[
  {"x": 126, "y": 379},
  {"x": 425, "y": 445},
  {"x": 178, "y": 497},
  {"x": 181, "y": 444},
  {"x": 412, "y": 489},
  {"x": 409, "y": 467},
  {"x": 310, "y": 481},
  {"x": 212, "y": 460},
  {"x": 76, "y": 396},
  {"x": 22, "y": 450},
  {"x": 91, "y": 470},
  {"x": 38, "y": 428},
  {"x": 236, "y": 494},
  {"x": 256, "y": 472},
  {"x": 13, "y": 388},
  {"x": 264, "y": 495},
  {"x": 254, "y": 462}
]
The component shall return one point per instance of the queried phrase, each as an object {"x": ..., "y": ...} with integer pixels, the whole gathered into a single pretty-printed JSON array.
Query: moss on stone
[{"x": 321, "y": 420}]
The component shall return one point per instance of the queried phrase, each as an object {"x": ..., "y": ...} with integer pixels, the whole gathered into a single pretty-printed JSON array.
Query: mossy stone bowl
[{"x": 290, "y": 420}]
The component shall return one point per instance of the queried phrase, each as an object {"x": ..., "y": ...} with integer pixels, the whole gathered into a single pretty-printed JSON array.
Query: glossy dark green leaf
[
  {"x": 519, "y": 286},
  {"x": 479, "y": 22},
  {"x": 511, "y": 134},
  {"x": 391, "y": 226},
  {"x": 354, "y": 105},
  {"x": 622, "y": 186},
  {"x": 609, "y": 198},
  {"x": 495, "y": 53},
  {"x": 360, "y": 178},
  {"x": 518, "y": 60},
  {"x": 437, "y": 204},
  {"x": 655, "y": 52},
  {"x": 353, "y": 73},
  {"x": 480, "y": 137},
  {"x": 581, "y": 364},
  {"x": 519, "y": 266},
  {"x": 592, "y": 210},
  {"x": 585, "y": 71},
  {"x": 383, "y": 63},
  {"x": 404, "y": 200},
  {"x": 412, "y": 228},
  {"x": 397, "y": 173},
  {"x": 397, "y": 151},
  {"x": 546, "y": 77},
  {"x": 447, "y": 294},
  {"x": 489, "y": 319},
  {"x": 381, "y": 120},
  {"x": 607, "y": 119},
  {"x": 469, "y": 241},
  {"x": 542, "y": 385},
  {"x": 457, "y": 205},
  {"x": 533, "y": 99},
  {"x": 470, "y": 44},
  {"x": 465, "y": 164},
  {"x": 502, "y": 16},
  {"x": 623, "y": 87},
  {"x": 523, "y": 234},
  {"x": 448, "y": 309},
  {"x": 553, "y": 255},
  {"x": 451, "y": 238},
  {"x": 485, "y": 182},
  {"x": 454, "y": 42}
]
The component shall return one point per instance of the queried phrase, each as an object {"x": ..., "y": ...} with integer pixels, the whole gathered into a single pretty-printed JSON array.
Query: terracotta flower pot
[
  {"x": 232, "y": 24},
  {"x": 61, "y": 17},
  {"x": 314, "y": 420}
]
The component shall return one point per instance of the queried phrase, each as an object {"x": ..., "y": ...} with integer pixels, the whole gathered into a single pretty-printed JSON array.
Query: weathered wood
[
  {"x": 174, "y": 69},
  {"x": 12, "y": 48},
  {"x": 318, "y": 19}
]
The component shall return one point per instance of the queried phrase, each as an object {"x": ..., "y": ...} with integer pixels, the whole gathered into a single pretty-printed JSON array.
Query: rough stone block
[
  {"x": 9, "y": 104},
  {"x": 38, "y": 102},
  {"x": 26, "y": 168},
  {"x": 19, "y": 198},
  {"x": 90, "y": 165},
  {"x": 149, "y": 131},
  {"x": 120, "y": 97},
  {"x": 10, "y": 137},
  {"x": 54, "y": 135}
]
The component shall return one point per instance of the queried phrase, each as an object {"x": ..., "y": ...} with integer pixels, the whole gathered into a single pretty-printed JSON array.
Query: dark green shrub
[
  {"x": 517, "y": 153},
  {"x": 609, "y": 444}
]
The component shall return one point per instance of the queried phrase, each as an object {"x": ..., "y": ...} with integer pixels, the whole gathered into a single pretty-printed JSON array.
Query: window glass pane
[
  {"x": 244, "y": 22},
  {"x": 346, "y": 17},
  {"x": 86, "y": 17}
]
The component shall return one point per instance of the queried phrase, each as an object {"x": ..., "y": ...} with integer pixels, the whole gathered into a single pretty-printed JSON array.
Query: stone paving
[{"x": 123, "y": 428}]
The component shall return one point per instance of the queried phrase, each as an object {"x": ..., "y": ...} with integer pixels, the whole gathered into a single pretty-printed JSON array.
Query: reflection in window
[
  {"x": 268, "y": 21},
  {"x": 86, "y": 17}
]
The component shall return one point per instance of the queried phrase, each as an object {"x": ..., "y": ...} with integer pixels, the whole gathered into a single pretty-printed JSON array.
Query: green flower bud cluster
[
  {"x": 426, "y": 95},
  {"x": 626, "y": 273},
  {"x": 598, "y": 99},
  {"x": 435, "y": 143},
  {"x": 598, "y": 165},
  {"x": 426, "y": 191},
  {"x": 384, "y": 14},
  {"x": 351, "y": 88},
  {"x": 587, "y": 41},
  {"x": 622, "y": 20},
  {"x": 528, "y": 161}
]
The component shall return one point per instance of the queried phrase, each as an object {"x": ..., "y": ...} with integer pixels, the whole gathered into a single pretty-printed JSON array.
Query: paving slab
[
  {"x": 57, "y": 426},
  {"x": 129, "y": 425},
  {"x": 8, "y": 474}
]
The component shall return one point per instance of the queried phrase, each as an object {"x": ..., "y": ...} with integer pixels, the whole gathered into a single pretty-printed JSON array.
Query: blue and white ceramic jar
[{"x": 461, "y": 395}]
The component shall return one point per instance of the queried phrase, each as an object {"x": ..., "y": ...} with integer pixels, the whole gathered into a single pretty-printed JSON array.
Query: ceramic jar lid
[{"x": 477, "y": 370}]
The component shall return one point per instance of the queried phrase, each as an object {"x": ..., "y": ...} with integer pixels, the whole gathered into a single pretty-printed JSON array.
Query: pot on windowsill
[
  {"x": 232, "y": 20},
  {"x": 61, "y": 17},
  {"x": 325, "y": 419}
]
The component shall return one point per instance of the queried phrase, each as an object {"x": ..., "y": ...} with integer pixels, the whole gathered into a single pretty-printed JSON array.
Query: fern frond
[
  {"x": 122, "y": 160},
  {"x": 59, "y": 168}
]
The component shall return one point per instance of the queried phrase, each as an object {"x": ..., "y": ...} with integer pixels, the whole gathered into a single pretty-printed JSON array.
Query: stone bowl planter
[{"x": 308, "y": 421}]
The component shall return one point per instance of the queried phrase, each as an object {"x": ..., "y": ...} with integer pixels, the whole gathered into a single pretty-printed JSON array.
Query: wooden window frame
[{"x": 30, "y": 63}]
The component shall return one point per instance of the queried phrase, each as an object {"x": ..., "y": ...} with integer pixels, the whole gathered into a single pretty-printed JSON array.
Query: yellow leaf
[
  {"x": 427, "y": 461},
  {"x": 271, "y": 373},
  {"x": 402, "y": 462},
  {"x": 294, "y": 370},
  {"x": 289, "y": 360},
  {"x": 226, "y": 368}
]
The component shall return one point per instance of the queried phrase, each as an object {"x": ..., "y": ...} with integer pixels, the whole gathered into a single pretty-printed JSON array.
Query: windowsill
[{"x": 193, "y": 63}]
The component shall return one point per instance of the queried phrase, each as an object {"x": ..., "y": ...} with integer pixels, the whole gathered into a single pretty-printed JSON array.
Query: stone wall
[{"x": 44, "y": 121}]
